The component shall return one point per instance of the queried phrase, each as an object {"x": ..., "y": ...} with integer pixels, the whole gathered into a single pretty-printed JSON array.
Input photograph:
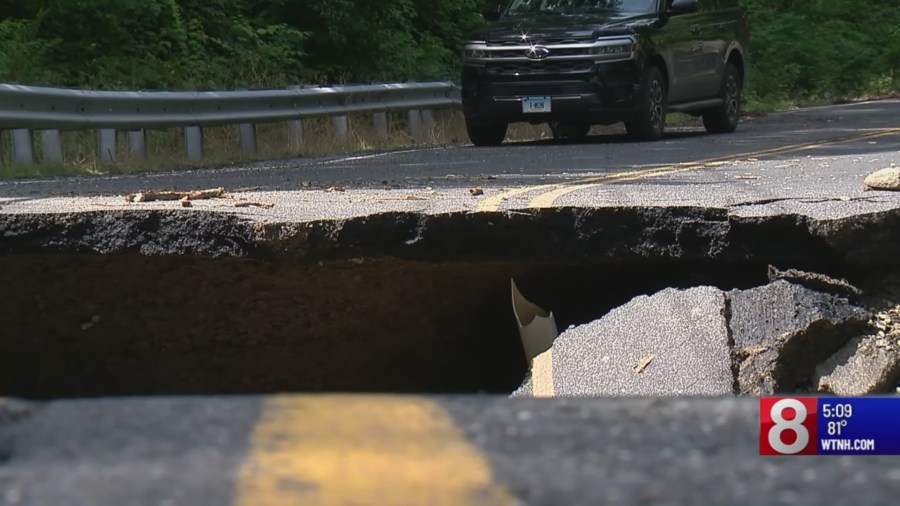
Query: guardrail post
[
  {"x": 22, "y": 147},
  {"x": 415, "y": 123},
  {"x": 247, "y": 134},
  {"x": 295, "y": 128},
  {"x": 51, "y": 146},
  {"x": 106, "y": 141},
  {"x": 340, "y": 127},
  {"x": 193, "y": 142},
  {"x": 136, "y": 144},
  {"x": 295, "y": 135},
  {"x": 381, "y": 124},
  {"x": 428, "y": 122}
]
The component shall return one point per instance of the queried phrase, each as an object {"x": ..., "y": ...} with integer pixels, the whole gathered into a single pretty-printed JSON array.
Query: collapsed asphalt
[
  {"x": 798, "y": 202},
  {"x": 715, "y": 224}
]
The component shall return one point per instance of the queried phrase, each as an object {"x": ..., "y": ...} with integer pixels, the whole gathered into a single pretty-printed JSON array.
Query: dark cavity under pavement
[
  {"x": 129, "y": 325},
  {"x": 123, "y": 323}
]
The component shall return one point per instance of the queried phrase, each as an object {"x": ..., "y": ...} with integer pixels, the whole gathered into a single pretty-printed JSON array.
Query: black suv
[{"x": 577, "y": 63}]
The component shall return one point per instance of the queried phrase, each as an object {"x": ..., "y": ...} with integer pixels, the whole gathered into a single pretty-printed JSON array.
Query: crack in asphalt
[{"x": 805, "y": 200}]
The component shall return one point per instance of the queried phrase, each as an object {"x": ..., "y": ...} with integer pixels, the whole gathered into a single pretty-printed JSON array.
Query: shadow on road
[{"x": 600, "y": 140}]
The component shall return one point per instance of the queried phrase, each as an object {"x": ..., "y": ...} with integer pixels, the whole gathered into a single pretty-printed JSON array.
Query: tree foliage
[
  {"x": 806, "y": 48},
  {"x": 800, "y": 48}
]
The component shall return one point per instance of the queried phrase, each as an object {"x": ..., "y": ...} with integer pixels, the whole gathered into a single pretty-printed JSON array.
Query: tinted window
[{"x": 580, "y": 6}]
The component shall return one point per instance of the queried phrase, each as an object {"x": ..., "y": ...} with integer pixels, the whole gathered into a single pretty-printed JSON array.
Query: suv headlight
[
  {"x": 614, "y": 48},
  {"x": 475, "y": 53},
  {"x": 474, "y": 50}
]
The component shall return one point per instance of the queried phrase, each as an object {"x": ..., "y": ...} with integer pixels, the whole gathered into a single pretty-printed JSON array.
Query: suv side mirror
[
  {"x": 492, "y": 13},
  {"x": 682, "y": 6}
]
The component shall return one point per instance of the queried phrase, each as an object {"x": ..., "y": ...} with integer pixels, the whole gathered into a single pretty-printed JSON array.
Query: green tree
[{"x": 800, "y": 49}]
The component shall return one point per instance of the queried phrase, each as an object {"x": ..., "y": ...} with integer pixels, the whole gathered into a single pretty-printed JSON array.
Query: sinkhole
[
  {"x": 101, "y": 305},
  {"x": 83, "y": 326}
]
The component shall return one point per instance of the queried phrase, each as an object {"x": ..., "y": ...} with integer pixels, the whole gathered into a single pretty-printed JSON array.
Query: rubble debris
[
  {"x": 476, "y": 192},
  {"x": 537, "y": 327},
  {"x": 252, "y": 203},
  {"x": 885, "y": 179},
  {"x": 644, "y": 363},
  {"x": 862, "y": 367},
  {"x": 814, "y": 281},
  {"x": 150, "y": 196},
  {"x": 782, "y": 331}
]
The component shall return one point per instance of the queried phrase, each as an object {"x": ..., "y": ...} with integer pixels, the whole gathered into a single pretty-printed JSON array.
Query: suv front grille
[
  {"x": 548, "y": 67},
  {"x": 539, "y": 89},
  {"x": 551, "y": 43}
]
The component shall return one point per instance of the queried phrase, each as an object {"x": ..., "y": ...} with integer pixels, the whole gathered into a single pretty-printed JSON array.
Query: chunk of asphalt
[
  {"x": 866, "y": 365},
  {"x": 885, "y": 180},
  {"x": 782, "y": 331},
  {"x": 814, "y": 281},
  {"x": 674, "y": 342}
]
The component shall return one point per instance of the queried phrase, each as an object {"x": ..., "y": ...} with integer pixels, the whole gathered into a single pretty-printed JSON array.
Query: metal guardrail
[{"x": 24, "y": 109}]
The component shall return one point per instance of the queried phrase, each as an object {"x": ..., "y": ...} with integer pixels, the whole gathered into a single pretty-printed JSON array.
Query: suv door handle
[{"x": 695, "y": 29}]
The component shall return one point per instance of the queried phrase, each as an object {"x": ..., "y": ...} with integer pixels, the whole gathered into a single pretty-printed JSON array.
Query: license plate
[{"x": 536, "y": 104}]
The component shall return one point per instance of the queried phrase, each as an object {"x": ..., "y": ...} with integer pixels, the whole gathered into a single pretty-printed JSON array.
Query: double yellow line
[
  {"x": 550, "y": 193},
  {"x": 345, "y": 450}
]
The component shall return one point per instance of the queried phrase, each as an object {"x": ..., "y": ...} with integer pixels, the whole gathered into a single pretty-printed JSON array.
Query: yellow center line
[
  {"x": 548, "y": 199},
  {"x": 356, "y": 450},
  {"x": 492, "y": 204}
]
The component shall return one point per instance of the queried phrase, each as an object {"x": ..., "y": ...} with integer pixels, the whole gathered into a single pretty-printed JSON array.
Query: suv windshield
[{"x": 580, "y": 6}]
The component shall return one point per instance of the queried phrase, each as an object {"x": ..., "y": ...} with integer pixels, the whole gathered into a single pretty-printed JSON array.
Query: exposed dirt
[
  {"x": 128, "y": 324},
  {"x": 177, "y": 302}
]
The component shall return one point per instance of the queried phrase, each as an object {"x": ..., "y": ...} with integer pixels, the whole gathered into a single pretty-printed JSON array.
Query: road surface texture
[
  {"x": 390, "y": 273},
  {"x": 415, "y": 450},
  {"x": 810, "y": 161}
]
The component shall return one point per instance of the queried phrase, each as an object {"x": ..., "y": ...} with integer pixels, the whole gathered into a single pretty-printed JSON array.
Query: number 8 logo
[{"x": 781, "y": 425}]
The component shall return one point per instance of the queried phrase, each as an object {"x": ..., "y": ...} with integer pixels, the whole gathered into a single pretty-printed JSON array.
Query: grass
[{"x": 166, "y": 150}]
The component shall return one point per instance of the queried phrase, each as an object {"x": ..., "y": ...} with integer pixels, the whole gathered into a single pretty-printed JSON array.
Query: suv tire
[
  {"x": 724, "y": 118},
  {"x": 650, "y": 122},
  {"x": 573, "y": 131},
  {"x": 486, "y": 134}
]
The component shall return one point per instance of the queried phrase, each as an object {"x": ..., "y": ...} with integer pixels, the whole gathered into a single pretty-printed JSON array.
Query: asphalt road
[
  {"x": 809, "y": 161},
  {"x": 412, "y": 451},
  {"x": 464, "y": 450}
]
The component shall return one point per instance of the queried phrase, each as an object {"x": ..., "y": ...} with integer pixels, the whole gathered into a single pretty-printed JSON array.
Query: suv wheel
[
  {"x": 574, "y": 131},
  {"x": 486, "y": 134},
  {"x": 724, "y": 118},
  {"x": 650, "y": 121}
]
